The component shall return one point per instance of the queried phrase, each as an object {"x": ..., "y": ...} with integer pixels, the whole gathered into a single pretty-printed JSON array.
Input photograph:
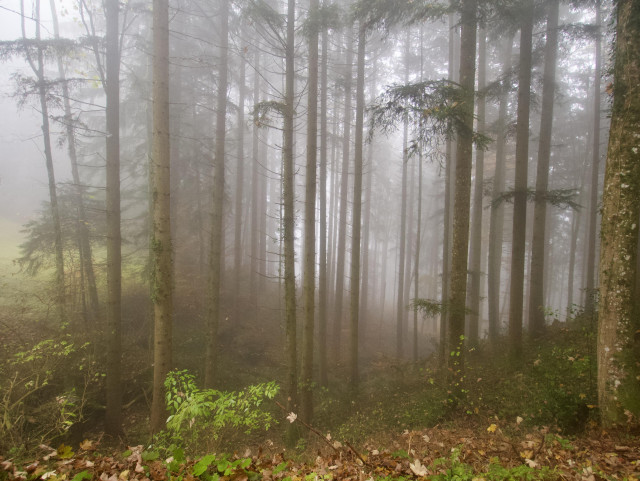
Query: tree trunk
[
  {"x": 162, "y": 282},
  {"x": 216, "y": 259},
  {"x": 237, "y": 237},
  {"x": 497, "y": 213},
  {"x": 446, "y": 242},
  {"x": 289, "y": 224},
  {"x": 357, "y": 210},
  {"x": 113, "y": 420},
  {"x": 595, "y": 169},
  {"x": 256, "y": 201},
  {"x": 475, "y": 256},
  {"x": 463, "y": 185},
  {"x": 520, "y": 198},
  {"x": 309, "y": 281},
  {"x": 538, "y": 245},
  {"x": 618, "y": 324},
  {"x": 344, "y": 199},
  {"x": 322, "y": 278}
]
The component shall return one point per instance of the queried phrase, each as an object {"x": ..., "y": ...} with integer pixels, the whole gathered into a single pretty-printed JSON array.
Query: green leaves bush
[{"x": 198, "y": 411}]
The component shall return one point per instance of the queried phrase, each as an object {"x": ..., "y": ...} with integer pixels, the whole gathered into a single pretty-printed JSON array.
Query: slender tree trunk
[
  {"x": 618, "y": 324},
  {"x": 322, "y": 279},
  {"x": 538, "y": 251},
  {"x": 463, "y": 185},
  {"x": 400, "y": 306},
  {"x": 255, "y": 196},
  {"x": 216, "y": 259},
  {"x": 289, "y": 223},
  {"x": 162, "y": 282},
  {"x": 237, "y": 242},
  {"x": 357, "y": 210},
  {"x": 366, "y": 223},
  {"x": 344, "y": 199},
  {"x": 84, "y": 243},
  {"x": 446, "y": 234},
  {"x": 113, "y": 420},
  {"x": 416, "y": 265},
  {"x": 475, "y": 256},
  {"x": 309, "y": 282},
  {"x": 520, "y": 198},
  {"x": 595, "y": 169}
]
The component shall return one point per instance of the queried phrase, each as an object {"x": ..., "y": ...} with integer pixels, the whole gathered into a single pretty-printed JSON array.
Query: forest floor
[{"x": 458, "y": 451}]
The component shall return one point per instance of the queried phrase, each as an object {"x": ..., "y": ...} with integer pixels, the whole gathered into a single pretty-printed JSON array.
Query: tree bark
[
  {"x": 162, "y": 282},
  {"x": 618, "y": 324},
  {"x": 595, "y": 170},
  {"x": 462, "y": 203}
]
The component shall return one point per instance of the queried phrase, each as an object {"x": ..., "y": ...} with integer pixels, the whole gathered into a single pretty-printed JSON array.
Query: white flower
[{"x": 292, "y": 417}]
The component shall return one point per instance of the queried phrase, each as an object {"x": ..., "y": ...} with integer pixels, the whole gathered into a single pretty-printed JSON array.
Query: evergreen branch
[{"x": 561, "y": 198}]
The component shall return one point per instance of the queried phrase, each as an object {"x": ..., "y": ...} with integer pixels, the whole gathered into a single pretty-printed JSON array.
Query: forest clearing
[{"x": 350, "y": 239}]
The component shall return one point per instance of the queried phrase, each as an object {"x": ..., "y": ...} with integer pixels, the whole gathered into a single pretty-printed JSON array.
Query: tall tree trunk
[
  {"x": 162, "y": 282},
  {"x": 322, "y": 278},
  {"x": 366, "y": 222},
  {"x": 113, "y": 420},
  {"x": 462, "y": 203},
  {"x": 309, "y": 281},
  {"x": 357, "y": 210},
  {"x": 84, "y": 243},
  {"x": 400, "y": 305},
  {"x": 344, "y": 200},
  {"x": 538, "y": 251},
  {"x": 256, "y": 201},
  {"x": 595, "y": 169},
  {"x": 496, "y": 227},
  {"x": 416, "y": 265},
  {"x": 475, "y": 256},
  {"x": 446, "y": 242},
  {"x": 520, "y": 198},
  {"x": 289, "y": 223},
  {"x": 237, "y": 235},
  {"x": 216, "y": 259},
  {"x": 618, "y": 323}
]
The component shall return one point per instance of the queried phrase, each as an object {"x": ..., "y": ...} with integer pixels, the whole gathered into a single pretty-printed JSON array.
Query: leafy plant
[{"x": 193, "y": 409}]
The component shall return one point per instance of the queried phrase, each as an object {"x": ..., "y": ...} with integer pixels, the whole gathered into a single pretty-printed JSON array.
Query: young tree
[
  {"x": 84, "y": 242},
  {"x": 162, "y": 282},
  {"x": 618, "y": 323}
]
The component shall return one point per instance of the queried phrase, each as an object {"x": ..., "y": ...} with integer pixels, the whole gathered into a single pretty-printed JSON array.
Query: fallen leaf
[
  {"x": 492, "y": 428},
  {"x": 417, "y": 468}
]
